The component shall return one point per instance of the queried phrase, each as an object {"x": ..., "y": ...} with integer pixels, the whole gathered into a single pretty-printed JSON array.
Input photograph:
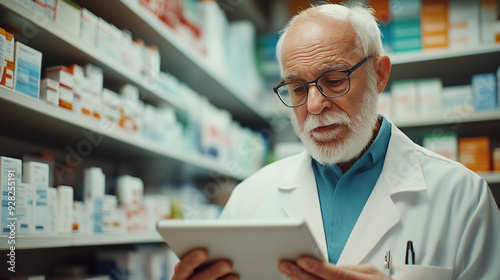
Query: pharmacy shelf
[
  {"x": 19, "y": 111},
  {"x": 449, "y": 119},
  {"x": 74, "y": 240},
  {"x": 58, "y": 45},
  {"x": 178, "y": 57},
  {"x": 438, "y": 54},
  {"x": 452, "y": 66},
  {"x": 61, "y": 47},
  {"x": 36, "y": 241},
  {"x": 110, "y": 239},
  {"x": 490, "y": 177}
]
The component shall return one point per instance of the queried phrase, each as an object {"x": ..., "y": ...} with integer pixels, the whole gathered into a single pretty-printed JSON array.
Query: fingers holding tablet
[{"x": 193, "y": 266}]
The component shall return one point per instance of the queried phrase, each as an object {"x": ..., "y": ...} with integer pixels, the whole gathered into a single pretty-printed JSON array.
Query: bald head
[{"x": 354, "y": 26}]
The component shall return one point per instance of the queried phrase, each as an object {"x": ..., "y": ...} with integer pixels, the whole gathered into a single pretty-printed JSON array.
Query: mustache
[{"x": 328, "y": 118}]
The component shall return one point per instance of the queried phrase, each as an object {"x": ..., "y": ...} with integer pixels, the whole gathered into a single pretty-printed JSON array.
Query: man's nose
[{"x": 316, "y": 101}]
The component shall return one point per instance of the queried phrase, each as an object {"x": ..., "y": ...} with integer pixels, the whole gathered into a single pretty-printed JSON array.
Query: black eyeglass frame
[{"x": 348, "y": 72}]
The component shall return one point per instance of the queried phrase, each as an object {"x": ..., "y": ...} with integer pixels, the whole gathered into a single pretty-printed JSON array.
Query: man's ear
[{"x": 383, "y": 66}]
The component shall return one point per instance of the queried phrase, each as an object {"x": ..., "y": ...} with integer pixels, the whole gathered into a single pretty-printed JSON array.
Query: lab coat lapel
[
  {"x": 401, "y": 173},
  {"x": 303, "y": 200}
]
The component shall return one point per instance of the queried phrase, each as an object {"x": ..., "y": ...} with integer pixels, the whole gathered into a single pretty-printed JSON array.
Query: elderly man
[{"x": 362, "y": 186}]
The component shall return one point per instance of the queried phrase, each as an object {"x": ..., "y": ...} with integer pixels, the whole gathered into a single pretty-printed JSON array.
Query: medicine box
[
  {"x": 489, "y": 24},
  {"x": 385, "y": 104},
  {"x": 95, "y": 78},
  {"x": 28, "y": 64},
  {"x": 10, "y": 178},
  {"x": 434, "y": 24},
  {"x": 37, "y": 174},
  {"x": 52, "y": 213},
  {"x": 49, "y": 91},
  {"x": 463, "y": 24},
  {"x": 484, "y": 87},
  {"x": 50, "y": 9},
  {"x": 496, "y": 159},
  {"x": 429, "y": 93},
  {"x": 443, "y": 144},
  {"x": 7, "y": 78},
  {"x": 39, "y": 6},
  {"x": 65, "y": 209},
  {"x": 88, "y": 29},
  {"x": 64, "y": 76},
  {"x": 457, "y": 100},
  {"x": 78, "y": 87},
  {"x": 474, "y": 153},
  {"x": 404, "y": 99},
  {"x": 68, "y": 17},
  {"x": 24, "y": 208},
  {"x": 405, "y": 31},
  {"x": 93, "y": 191},
  {"x": 3, "y": 43}
]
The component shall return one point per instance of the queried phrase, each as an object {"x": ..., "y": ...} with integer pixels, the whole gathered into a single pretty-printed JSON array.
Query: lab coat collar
[
  {"x": 402, "y": 172},
  {"x": 303, "y": 199}
]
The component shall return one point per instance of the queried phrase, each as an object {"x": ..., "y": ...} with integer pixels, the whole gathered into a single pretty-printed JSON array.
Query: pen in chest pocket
[{"x": 410, "y": 253}]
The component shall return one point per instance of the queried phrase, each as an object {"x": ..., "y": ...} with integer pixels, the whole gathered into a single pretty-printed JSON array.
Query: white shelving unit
[
  {"x": 438, "y": 54},
  {"x": 491, "y": 177},
  {"x": 34, "y": 125},
  {"x": 116, "y": 140},
  {"x": 179, "y": 58},
  {"x": 449, "y": 119},
  {"x": 72, "y": 240}
]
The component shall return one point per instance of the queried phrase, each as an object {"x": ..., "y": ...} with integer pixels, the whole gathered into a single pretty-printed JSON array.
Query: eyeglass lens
[{"x": 331, "y": 84}]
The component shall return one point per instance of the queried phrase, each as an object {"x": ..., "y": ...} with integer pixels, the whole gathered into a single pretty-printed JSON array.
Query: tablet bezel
[{"x": 287, "y": 238}]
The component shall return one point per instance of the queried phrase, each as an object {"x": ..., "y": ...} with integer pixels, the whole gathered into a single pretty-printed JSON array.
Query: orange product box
[
  {"x": 496, "y": 159},
  {"x": 64, "y": 76},
  {"x": 434, "y": 24},
  {"x": 3, "y": 42},
  {"x": 474, "y": 153},
  {"x": 382, "y": 10},
  {"x": 78, "y": 86},
  {"x": 7, "y": 75}
]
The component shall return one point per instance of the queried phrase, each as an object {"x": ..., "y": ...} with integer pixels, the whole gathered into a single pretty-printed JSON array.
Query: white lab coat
[{"x": 444, "y": 208}]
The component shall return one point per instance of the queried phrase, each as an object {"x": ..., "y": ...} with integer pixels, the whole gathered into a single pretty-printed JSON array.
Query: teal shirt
[{"x": 343, "y": 196}]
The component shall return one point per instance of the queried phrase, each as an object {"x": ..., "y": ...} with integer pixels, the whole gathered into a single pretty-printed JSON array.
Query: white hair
[{"x": 368, "y": 40}]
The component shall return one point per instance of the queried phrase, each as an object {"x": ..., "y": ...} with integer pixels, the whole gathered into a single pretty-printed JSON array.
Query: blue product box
[
  {"x": 405, "y": 34},
  {"x": 484, "y": 88},
  {"x": 28, "y": 64}
]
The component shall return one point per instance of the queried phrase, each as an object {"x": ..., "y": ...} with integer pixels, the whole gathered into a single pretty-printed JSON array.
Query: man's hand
[
  {"x": 307, "y": 268},
  {"x": 188, "y": 268}
]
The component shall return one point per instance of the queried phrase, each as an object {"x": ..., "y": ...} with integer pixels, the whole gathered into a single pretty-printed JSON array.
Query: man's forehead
[{"x": 307, "y": 30}]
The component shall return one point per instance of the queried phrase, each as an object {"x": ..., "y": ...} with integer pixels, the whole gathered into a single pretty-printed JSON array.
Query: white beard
[{"x": 360, "y": 131}]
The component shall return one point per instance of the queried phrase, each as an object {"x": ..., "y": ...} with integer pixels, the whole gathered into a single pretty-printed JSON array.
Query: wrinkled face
[{"x": 333, "y": 129}]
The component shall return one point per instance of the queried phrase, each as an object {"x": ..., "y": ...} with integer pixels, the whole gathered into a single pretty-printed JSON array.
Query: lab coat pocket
[{"x": 419, "y": 272}]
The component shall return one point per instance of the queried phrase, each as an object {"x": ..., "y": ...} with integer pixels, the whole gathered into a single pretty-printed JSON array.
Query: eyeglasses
[{"x": 331, "y": 84}]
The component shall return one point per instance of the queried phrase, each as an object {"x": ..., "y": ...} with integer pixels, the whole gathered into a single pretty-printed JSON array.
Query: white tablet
[{"x": 255, "y": 246}]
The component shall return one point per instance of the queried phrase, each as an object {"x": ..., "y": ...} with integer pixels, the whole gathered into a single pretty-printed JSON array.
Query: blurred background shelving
[{"x": 236, "y": 83}]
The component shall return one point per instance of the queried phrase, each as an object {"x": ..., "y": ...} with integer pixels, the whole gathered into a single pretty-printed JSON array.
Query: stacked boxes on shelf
[
  {"x": 79, "y": 88},
  {"x": 434, "y": 23},
  {"x": 430, "y": 24},
  {"x": 463, "y": 24},
  {"x": 476, "y": 153},
  {"x": 428, "y": 98},
  {"x": 405, "y": 29},
  {"x": 228, "y": 49},
  {"x": 41, "y": 209}
]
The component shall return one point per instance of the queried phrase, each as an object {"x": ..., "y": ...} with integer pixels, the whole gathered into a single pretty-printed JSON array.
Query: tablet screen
[{"x": 254, "y": 246}]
